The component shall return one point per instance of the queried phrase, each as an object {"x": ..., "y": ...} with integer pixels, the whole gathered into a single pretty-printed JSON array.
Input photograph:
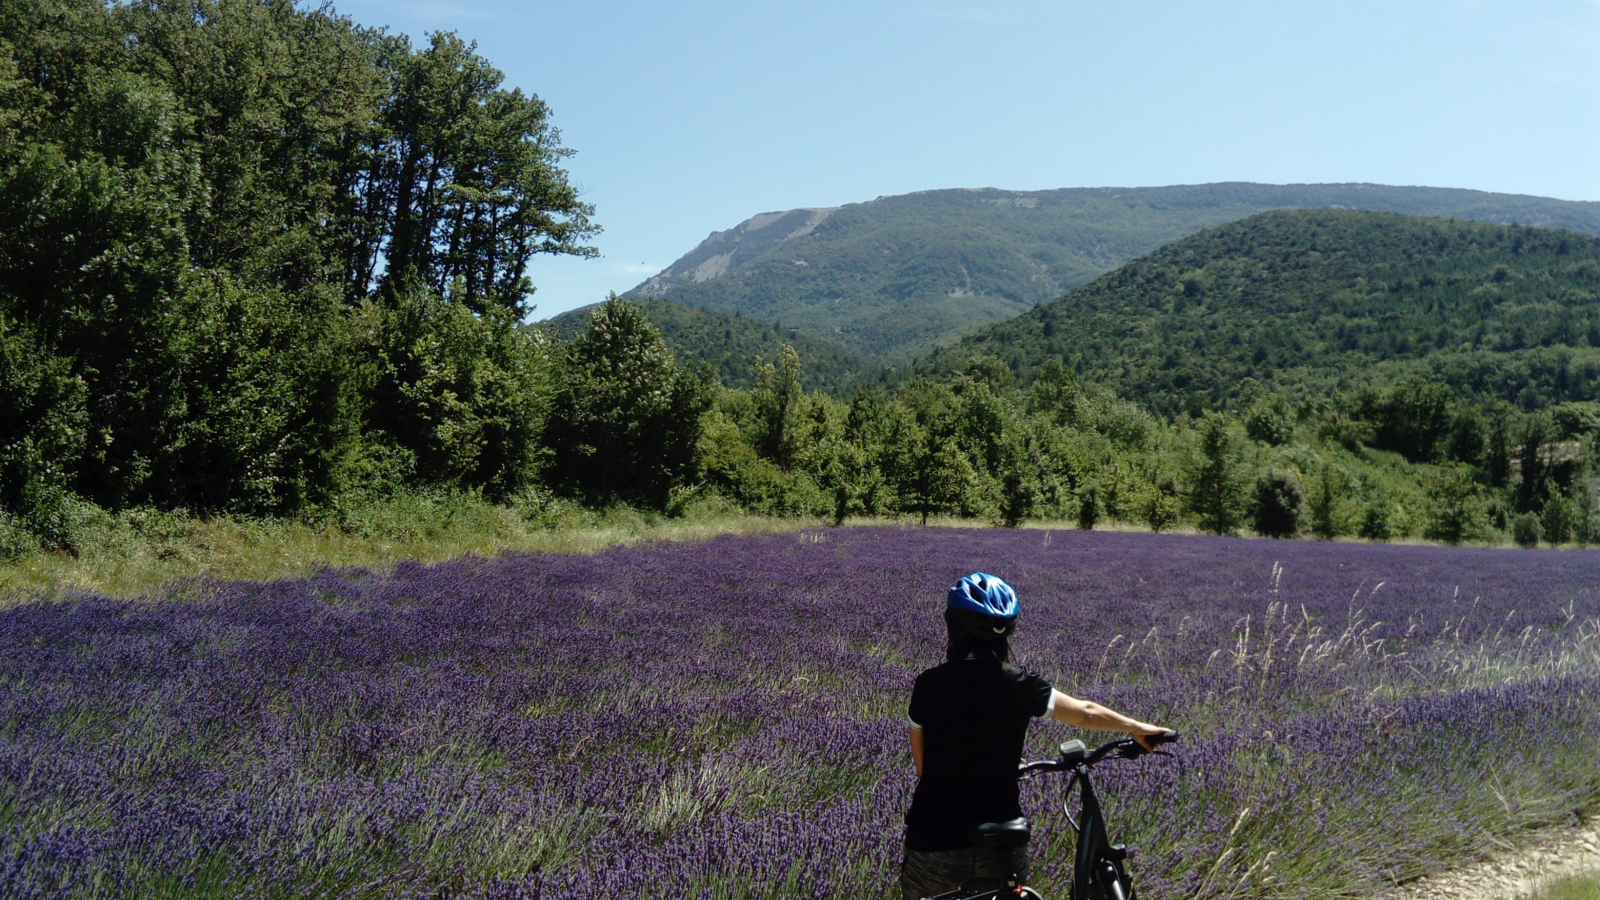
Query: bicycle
[{"x": 1098, "y": 872}]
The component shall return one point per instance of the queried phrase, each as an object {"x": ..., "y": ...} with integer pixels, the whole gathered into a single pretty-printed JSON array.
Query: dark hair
[{"x": 963, "y": 643}]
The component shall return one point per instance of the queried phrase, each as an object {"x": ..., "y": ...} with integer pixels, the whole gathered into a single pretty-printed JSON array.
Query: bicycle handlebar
[{"x": 1074, "y": 754}]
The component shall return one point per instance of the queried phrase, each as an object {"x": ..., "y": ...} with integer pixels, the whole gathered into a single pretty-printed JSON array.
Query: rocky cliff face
[{"x": 725, "y": 251}]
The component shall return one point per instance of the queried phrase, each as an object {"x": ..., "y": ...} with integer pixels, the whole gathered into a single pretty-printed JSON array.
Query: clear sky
[{"x": 690, "y": 118}]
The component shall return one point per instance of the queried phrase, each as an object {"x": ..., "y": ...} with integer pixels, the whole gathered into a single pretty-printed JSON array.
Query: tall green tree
[
  {"x": 777, "y": 398},
  {"x": 466, "y": 184},
  {"x": 1215, "y": 488},
  {"x": 626, "y": 417},
  {"x": 1457, "y": 511}
]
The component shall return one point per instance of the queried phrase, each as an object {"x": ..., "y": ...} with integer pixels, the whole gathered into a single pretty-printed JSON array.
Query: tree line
[{"x": 261, "y": 261}]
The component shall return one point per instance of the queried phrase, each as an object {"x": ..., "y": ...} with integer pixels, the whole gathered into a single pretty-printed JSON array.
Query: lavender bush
[{"x": 724, "y": 719}]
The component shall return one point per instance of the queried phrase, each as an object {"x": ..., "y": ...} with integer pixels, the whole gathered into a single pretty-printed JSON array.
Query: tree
[
  {"x": 465, "y": 395},
  {"x": 1323, "y": 505},
  {"x": 1088, "y": 506},
  {"x": 42, "y": 419},
  {"x": 929, "y": 471},
  {"x": 1019, "y": 479},
  {"x": 1557, "y": 518},
  {"x": 1214, "y": 487},
  {"x": 777, "y": 397},
  {"x": 1267, "y": 419},
  {"x": 988, "y": 371},
  {"x": 1533, "y": 438},
  {"x": 1277, "y": 509},
  {"x": 281, "y": 108},
  {"x": 465, "y": 184},
  {"x": 1055, "y": 393},
  {"x": 626, "y": 418},
  {"x": 1457, "y": 511},
  {"x": 1497, "y": 452}
]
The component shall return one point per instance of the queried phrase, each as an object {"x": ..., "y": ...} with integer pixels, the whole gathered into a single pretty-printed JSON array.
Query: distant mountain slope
[
  {"x": 1314, "y": 300},
  {"x": 897, "y": 276},
  {"x": 731, "y": 343}
]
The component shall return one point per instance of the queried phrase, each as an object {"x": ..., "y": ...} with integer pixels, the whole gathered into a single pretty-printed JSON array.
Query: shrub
[
  {"x": 1277, "y": 509},
  {"x": 1161, "y": 507},
  {"x": 1525, "y": 530},
  {"x": 1376, "y": 524},
  {"x": 15, "y": 538}
]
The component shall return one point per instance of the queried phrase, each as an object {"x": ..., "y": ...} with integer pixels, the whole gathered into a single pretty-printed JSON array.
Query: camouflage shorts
[{"x": 928, "y": 873}]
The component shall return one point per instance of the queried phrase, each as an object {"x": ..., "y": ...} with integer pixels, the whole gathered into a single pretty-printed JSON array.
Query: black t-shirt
[{"x": 974, "y": 717}]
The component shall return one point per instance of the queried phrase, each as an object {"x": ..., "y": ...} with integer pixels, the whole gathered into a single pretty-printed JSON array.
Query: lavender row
[{"x": 723, "y": 718}]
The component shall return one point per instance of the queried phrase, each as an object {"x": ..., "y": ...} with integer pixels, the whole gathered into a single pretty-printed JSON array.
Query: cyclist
[{"x": 968, "y": 719}]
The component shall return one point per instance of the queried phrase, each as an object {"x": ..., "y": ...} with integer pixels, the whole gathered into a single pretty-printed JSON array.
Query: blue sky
[{"x": 690, "y": 118}]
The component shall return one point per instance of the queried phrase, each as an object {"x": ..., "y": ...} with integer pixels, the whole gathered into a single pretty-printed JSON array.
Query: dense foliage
[
  {"x": 256, "y": 257},
  {"x": 1313, "y": 301},
  {"x": 733, "y": 345},
  {"x": 899, "y": 275},
  {"x": 570, "y": 725}
]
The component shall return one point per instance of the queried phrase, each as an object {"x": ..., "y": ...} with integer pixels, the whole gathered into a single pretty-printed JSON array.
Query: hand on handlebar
[{"x": 1151, "y": 736}]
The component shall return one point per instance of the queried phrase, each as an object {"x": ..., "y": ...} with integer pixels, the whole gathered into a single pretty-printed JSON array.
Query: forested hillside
[
  {"x": 897, "y": 276},
  {"x": 732, "y": 344},
  {"x": 1311, "y": 302}
]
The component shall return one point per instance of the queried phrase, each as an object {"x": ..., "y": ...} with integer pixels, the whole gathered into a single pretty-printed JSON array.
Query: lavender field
[{"x": 725, "y": 719}]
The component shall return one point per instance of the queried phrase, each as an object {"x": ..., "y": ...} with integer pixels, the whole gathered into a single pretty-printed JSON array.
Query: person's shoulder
[
  {"x": 941, "y": 674},
  {"x": 1022, "y": 674}
]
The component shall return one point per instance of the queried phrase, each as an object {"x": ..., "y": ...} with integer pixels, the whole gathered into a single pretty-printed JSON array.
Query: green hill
[
  {"x": 1311, "y": 301},
  {"x": 731, "y": 342},
  {"x": 895, "y": 277}
]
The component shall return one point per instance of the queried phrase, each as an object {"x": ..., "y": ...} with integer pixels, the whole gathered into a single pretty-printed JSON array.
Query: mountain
[
  {"x": 895, "y": 277},
  {"x": 1311, "y": 301},
  {"x": 731, "y": 343}
]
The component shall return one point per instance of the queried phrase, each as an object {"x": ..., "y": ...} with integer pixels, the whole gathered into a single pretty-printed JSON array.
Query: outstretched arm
[{"x": 1087, "y": 714}]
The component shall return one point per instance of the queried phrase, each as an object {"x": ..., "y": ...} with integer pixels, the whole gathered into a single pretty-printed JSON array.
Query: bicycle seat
[{"x": 1014, "y": 833}]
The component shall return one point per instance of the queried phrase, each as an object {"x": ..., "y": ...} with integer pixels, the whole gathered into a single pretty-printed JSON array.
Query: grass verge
[{"x": 135, "y": 553}]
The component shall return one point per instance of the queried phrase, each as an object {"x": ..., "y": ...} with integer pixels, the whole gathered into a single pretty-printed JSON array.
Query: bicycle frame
[
  {"x": 1098, "y": 872},
  {"x": 1097, "y": 867}
]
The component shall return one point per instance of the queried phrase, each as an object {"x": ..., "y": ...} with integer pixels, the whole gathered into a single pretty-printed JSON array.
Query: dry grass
[
  {"x": 132, "y": 556},
  {"x": 1570, "y": 887}
]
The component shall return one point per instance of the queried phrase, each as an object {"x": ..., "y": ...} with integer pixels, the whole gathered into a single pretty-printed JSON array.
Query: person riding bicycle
[{"x": 969, "y": 717}]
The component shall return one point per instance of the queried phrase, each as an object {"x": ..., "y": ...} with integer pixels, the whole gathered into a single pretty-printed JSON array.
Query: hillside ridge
[
  {"x": 897, "y": 276},
  {"x": 1315, "y": 301}
]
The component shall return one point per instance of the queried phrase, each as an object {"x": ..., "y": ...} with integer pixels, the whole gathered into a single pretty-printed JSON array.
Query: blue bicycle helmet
[{"x": 983, "y": 606}]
